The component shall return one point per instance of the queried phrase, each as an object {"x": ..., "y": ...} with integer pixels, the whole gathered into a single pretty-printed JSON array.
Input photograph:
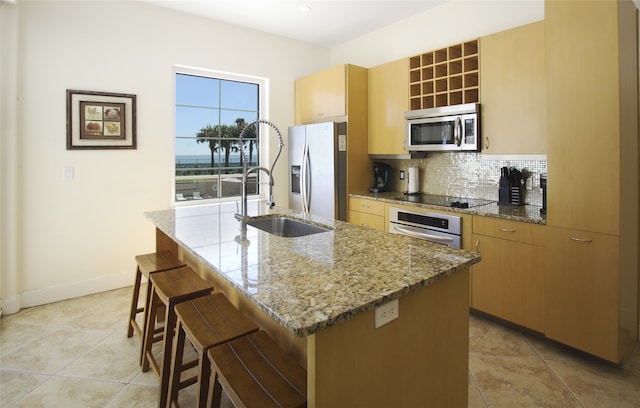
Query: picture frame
[{"x": 100, "y": 120}]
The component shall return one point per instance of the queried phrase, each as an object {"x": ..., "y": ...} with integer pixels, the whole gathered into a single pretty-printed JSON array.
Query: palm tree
[
  {"x": 228, "y": 142},
  {"x": 226, "y": 137},
  {"x": 209, "y": 134},
  {"x": 250, "y": 136}
]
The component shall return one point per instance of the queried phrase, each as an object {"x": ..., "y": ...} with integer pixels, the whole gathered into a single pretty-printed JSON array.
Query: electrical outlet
[
  {"x": 386, "y": 313},
  {"x": 401, "y": 174},
  {"x": 67, "y": 173}
]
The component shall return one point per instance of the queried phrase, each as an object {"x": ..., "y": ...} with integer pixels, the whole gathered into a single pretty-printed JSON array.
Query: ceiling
[{"x": 328, "y": 22}]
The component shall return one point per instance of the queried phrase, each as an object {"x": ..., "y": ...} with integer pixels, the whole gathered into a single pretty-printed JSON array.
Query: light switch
[{"x": 67, "y": 173}]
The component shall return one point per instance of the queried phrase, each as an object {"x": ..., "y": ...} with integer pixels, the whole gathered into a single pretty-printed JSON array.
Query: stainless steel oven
[{"x": 434, "y": 227}]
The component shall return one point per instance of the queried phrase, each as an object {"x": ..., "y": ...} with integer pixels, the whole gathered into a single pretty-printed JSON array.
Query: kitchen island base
[{"x": 419, "y": 359}]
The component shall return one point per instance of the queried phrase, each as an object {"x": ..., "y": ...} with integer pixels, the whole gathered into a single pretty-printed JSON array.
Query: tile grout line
[
  {"x": 560, "y": 380},
  {"x": 475, "y": 381}
]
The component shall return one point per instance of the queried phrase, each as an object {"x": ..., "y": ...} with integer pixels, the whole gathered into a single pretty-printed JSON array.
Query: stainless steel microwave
[{"x": 448, "y": 128}]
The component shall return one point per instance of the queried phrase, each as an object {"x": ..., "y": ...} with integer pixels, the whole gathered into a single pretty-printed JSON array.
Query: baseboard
[
  {"x": 71, "y": 290},
  {"x": 10, "y": 305}
]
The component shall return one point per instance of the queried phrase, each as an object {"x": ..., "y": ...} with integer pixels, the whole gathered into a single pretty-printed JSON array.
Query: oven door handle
[{"x": 422, "y": 235}]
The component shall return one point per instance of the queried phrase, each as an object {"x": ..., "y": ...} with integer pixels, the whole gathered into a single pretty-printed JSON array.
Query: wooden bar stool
[
  {"x": 167, "y": 290},
  {"x": 206, "y": 322},
  {"x": 256, "y": 373},
  {"x": 146, "y": 265}
]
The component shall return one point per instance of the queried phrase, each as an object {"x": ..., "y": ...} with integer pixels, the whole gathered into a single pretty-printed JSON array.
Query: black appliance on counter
[
  {"x": 543, "y": 186},
  {"x": 511, "y": 187},
  {"x": 381, "y": 173}
]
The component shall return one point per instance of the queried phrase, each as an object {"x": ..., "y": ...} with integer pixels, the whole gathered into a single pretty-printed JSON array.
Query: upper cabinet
[
  {"x": 593, "y": 115},
  {"x": 513, "y": 83},
  {"x": 388, "y": 100},
  {"x": 448, "y": 76},
  {"x": 339, "y": 94},
  {"x": 325, "y": 95}
]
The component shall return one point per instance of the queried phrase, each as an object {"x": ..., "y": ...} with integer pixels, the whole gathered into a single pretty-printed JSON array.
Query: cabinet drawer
[
  {"x": 512, "y": 230},
  {"x": 366, "y": 220},
  {"x": 366, "y": 206}
]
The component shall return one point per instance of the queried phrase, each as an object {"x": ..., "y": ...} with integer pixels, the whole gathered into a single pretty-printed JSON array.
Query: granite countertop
[
  {"x": 312, "y": 282},
  {"x": 525, "y": 213}
]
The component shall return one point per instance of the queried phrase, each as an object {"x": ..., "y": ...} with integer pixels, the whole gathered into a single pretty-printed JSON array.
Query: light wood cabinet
[
  {"x": 321, "y": 95},
  {"x": 509, "y": 281},
  {"x": 368, "y": 213},
  {"x": 582, "y": 294},
  {"x": 513, "y": 83},
  {"x": 591, "y": 285},
  {"x": 339, "y": 94},
  {"x": 388, "y": 101}
]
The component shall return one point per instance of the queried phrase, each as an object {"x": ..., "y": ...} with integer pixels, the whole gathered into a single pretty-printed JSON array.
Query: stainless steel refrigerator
[{"x": 318, "y": 169}]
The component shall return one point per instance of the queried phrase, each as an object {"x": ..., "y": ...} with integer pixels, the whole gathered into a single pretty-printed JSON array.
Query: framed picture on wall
[{"x": 100, "y": 120}]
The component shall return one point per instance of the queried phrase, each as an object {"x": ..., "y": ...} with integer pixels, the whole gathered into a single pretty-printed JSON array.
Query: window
[{"x": 211, "y": 111}]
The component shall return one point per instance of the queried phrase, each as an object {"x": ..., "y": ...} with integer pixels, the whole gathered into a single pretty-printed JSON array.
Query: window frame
[{"x": 263, "y": 97}]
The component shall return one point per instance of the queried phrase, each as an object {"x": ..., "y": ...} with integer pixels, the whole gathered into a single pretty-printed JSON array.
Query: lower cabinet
[
  {"x": 368, "y": 213},
  {"x": 509, "y": 281},
  {"x": 582, "y": 291}
]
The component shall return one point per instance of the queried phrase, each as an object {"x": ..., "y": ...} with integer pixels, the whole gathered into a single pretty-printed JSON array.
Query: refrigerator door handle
[{"x": 304, "y": 190}]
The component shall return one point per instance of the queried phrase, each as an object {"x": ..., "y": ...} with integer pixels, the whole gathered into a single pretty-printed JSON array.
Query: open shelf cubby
[{"x": 448, "y": 76}]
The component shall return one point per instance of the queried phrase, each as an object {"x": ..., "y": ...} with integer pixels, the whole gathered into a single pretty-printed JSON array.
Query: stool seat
[
  {"x": 146, "y": 265},
  {"x": 206, "y": 322},
  {"x": 256, "y": 373},
  {"x": 168, "y": 288}
]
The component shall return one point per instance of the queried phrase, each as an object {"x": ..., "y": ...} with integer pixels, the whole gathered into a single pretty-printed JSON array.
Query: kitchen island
[{"x": 316, "y": 296}]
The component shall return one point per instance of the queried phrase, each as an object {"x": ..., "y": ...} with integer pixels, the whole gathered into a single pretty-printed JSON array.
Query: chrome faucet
[{"x": 242, "y": 215}]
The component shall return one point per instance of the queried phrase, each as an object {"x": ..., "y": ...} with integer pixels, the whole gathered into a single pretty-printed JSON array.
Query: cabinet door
[
  {"x": 321, "y": 95},
  {"x": 513, "y": 87},
  {"x": 388, "y": 101},
  {"x": 368, "y": 213},
  {"x": 581, "y": 291},
  {"x": 584, "y": 116},
  {"x": 367, "y": 220},
  {"x": 509, "y": 281}
]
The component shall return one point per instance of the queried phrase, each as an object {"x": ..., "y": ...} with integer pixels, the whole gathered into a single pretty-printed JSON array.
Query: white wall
[
  {"x": 78, "y": 237},
  {"x": 450, "y": 23}
]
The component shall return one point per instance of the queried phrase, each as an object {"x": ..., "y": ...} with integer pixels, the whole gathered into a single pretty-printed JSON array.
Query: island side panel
[
  {"x": 417, "y": 360},
  {"x": 165, "y": 244}
]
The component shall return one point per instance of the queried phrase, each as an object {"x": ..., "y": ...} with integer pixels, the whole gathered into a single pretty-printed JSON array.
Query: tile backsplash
[{"x": 467, "y": 174}]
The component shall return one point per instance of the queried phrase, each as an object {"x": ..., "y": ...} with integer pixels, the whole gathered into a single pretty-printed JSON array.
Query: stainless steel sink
[{"x": 285, "y": 227}]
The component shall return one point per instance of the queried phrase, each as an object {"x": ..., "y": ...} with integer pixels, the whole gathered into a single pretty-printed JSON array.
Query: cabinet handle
[
  {"x": 507, "y": 230},
  {"x": 581, "y": 239},
  {"x": 478, "y": 246},
  {"x": 365, "y": 206}
]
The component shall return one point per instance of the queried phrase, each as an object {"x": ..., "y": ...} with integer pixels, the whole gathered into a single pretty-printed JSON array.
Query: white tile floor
[{"x": 76, "y": 354}]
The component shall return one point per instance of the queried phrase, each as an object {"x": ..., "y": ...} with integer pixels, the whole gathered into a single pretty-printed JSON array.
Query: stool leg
[
  {"x": 149, "y": 329},
  {"x": 202, "y": 387},
  {"x": 170, "y": 322},
  {"x": 134, "y": 301},
  {"x": 176, "y": 365},
  {"x": 215, "y": 391}
]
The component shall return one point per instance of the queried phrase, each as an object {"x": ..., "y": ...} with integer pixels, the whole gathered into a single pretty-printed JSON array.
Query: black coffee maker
[{"x": 381, "y": 173}]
